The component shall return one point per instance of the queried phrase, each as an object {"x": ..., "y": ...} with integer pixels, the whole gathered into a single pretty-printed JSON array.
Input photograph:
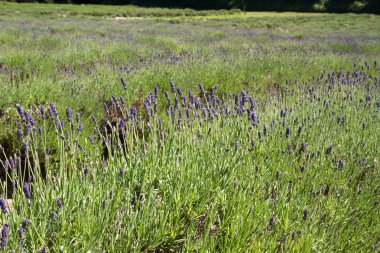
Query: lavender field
[{"x": 126, "y": 129}]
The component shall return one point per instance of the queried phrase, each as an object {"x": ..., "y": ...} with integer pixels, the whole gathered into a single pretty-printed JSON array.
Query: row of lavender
[{"x": 288, "y": 115}]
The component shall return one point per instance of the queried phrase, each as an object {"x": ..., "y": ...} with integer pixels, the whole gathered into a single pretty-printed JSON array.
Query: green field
[{"x": 267, "y": 139}]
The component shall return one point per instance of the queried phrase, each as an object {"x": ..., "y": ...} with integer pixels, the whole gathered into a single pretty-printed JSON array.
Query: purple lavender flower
[
  {"x": 43, "y": 250},
  {"x": 3, "y": 206},
  {"x": 304, "y": 147},
  {"x": 24, "y": 223},
  {"x": 340, "y": 164},
  {"x": 29, "y": 118},
  {"x": 19, "y": 131},
  {"x": 50, "y": 112},
  {"x": 191, "y": 97},
  {"x": 159, "y": 123},
  {"x": 173, "y": 87},
  {"x": 4, "y": 234},
  {"x": 12, "y": 163},
  {"x": 156, "y": 91},
  {"x": 69, "y": 114},
  {"x": 26, "y": 148},
  {"x": 287, "y": 134},
  {"x": 201, "y": 88},
  {"x": 115, "y": 101},
  {"x": 77, "y": 117},
  {"x": 265, "y": 130},
  {"x": 299, "y": 130},
  {"x": 259, "y": 136},
  {"x": 271, "y": 220},
  {"x": 122, "y": 100},
  {"x": 40, "y": 130},
  {"x": 85, "y": 171},
  {"x": 19, "y": 110},
  {"x": 180, "y": 92},
  {"x": 106, "y": 109},
  {"x": 123, "y": 83},
  {"x": 59, "y": 203},
  {"x": 53, "y": 108},
  {"x": 26, "y": 190},
  {"x": 91, "y": 140},
  {"x": 236, "y": 145},
  {"x": 93, "y": 118},
  {"x": 80, "y": 127},
  {"x": 302, "y": 169},
  {"x": 305, "y": 214},
  {"x": 27, "y": 129},
  {"x": 328, "y": 150},
  {"x": 42, "y": 112}
]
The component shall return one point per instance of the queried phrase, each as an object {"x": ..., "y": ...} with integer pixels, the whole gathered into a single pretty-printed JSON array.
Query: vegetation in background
[{"x": 362, "y": 6}]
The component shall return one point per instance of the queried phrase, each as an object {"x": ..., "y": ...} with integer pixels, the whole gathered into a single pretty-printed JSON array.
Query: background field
[
  {"x": 214, "y": 181},
  {"x": 48, "y": 54}
]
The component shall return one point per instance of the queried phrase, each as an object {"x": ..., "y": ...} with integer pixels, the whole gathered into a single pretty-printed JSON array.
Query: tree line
[{"x": 366, "y": 6}]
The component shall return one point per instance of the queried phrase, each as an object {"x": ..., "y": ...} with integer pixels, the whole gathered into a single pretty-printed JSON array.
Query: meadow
[{"x": 128, "y": 129}]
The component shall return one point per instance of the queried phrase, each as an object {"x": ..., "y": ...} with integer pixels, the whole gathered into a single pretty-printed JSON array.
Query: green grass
[{"x": 185, "y": 187}]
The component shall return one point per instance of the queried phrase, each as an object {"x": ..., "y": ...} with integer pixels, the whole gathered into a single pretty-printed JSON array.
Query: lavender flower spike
[
  {"x": 4, "y": 239},
  {"x": 3, "y": 206},
  {"x": 26, "y": 191},
  {"x": 123, "y": 83}
]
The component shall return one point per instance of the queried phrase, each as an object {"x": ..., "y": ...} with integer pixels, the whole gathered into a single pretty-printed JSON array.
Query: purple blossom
[
  {"x": 19, "y": 131},
  {"x": 287, "y": 134},
  {"x": 42, "y": 112},
  {"x": 236, "y": 145},
  {"x": 40, "y": 130},
  {"x": 340, "y": 164},
  {"x": 122, "y": 100},
  {"x": 26, "y": 190},
  {"x": 93, "y": 118},
  {"x": 80, "y": 127},
  {"x": 299, "y": 130},
  {"x": 91, "y": 140},
  {"x": 173, "y": 87},
  {"x": 69, "y": 114},
  {"x": 85, "y": 171},
  {"x": 305, "y": 214},
  {"x": 77, "y": 117},
  {"x": 106, "y": 109},
  {"x": 328, "y": 150},
  {"x": 201, "y": 88},
  {"x": 4, "y": 234},
  {"x": 304, "y": 147},
  {"x": 53, "y": 108},
  {"x": 156, "y": 91},
  {"x": 59, "y": 203},
  {"x": 302, "y": 169},
  {"x": 26, "y": 148},
  {"x": 19, "y": 110},
  {"x": 3, "y": 206},
  {"x": 123, "y": 83},
  {"x": 12, "y": 163}
]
